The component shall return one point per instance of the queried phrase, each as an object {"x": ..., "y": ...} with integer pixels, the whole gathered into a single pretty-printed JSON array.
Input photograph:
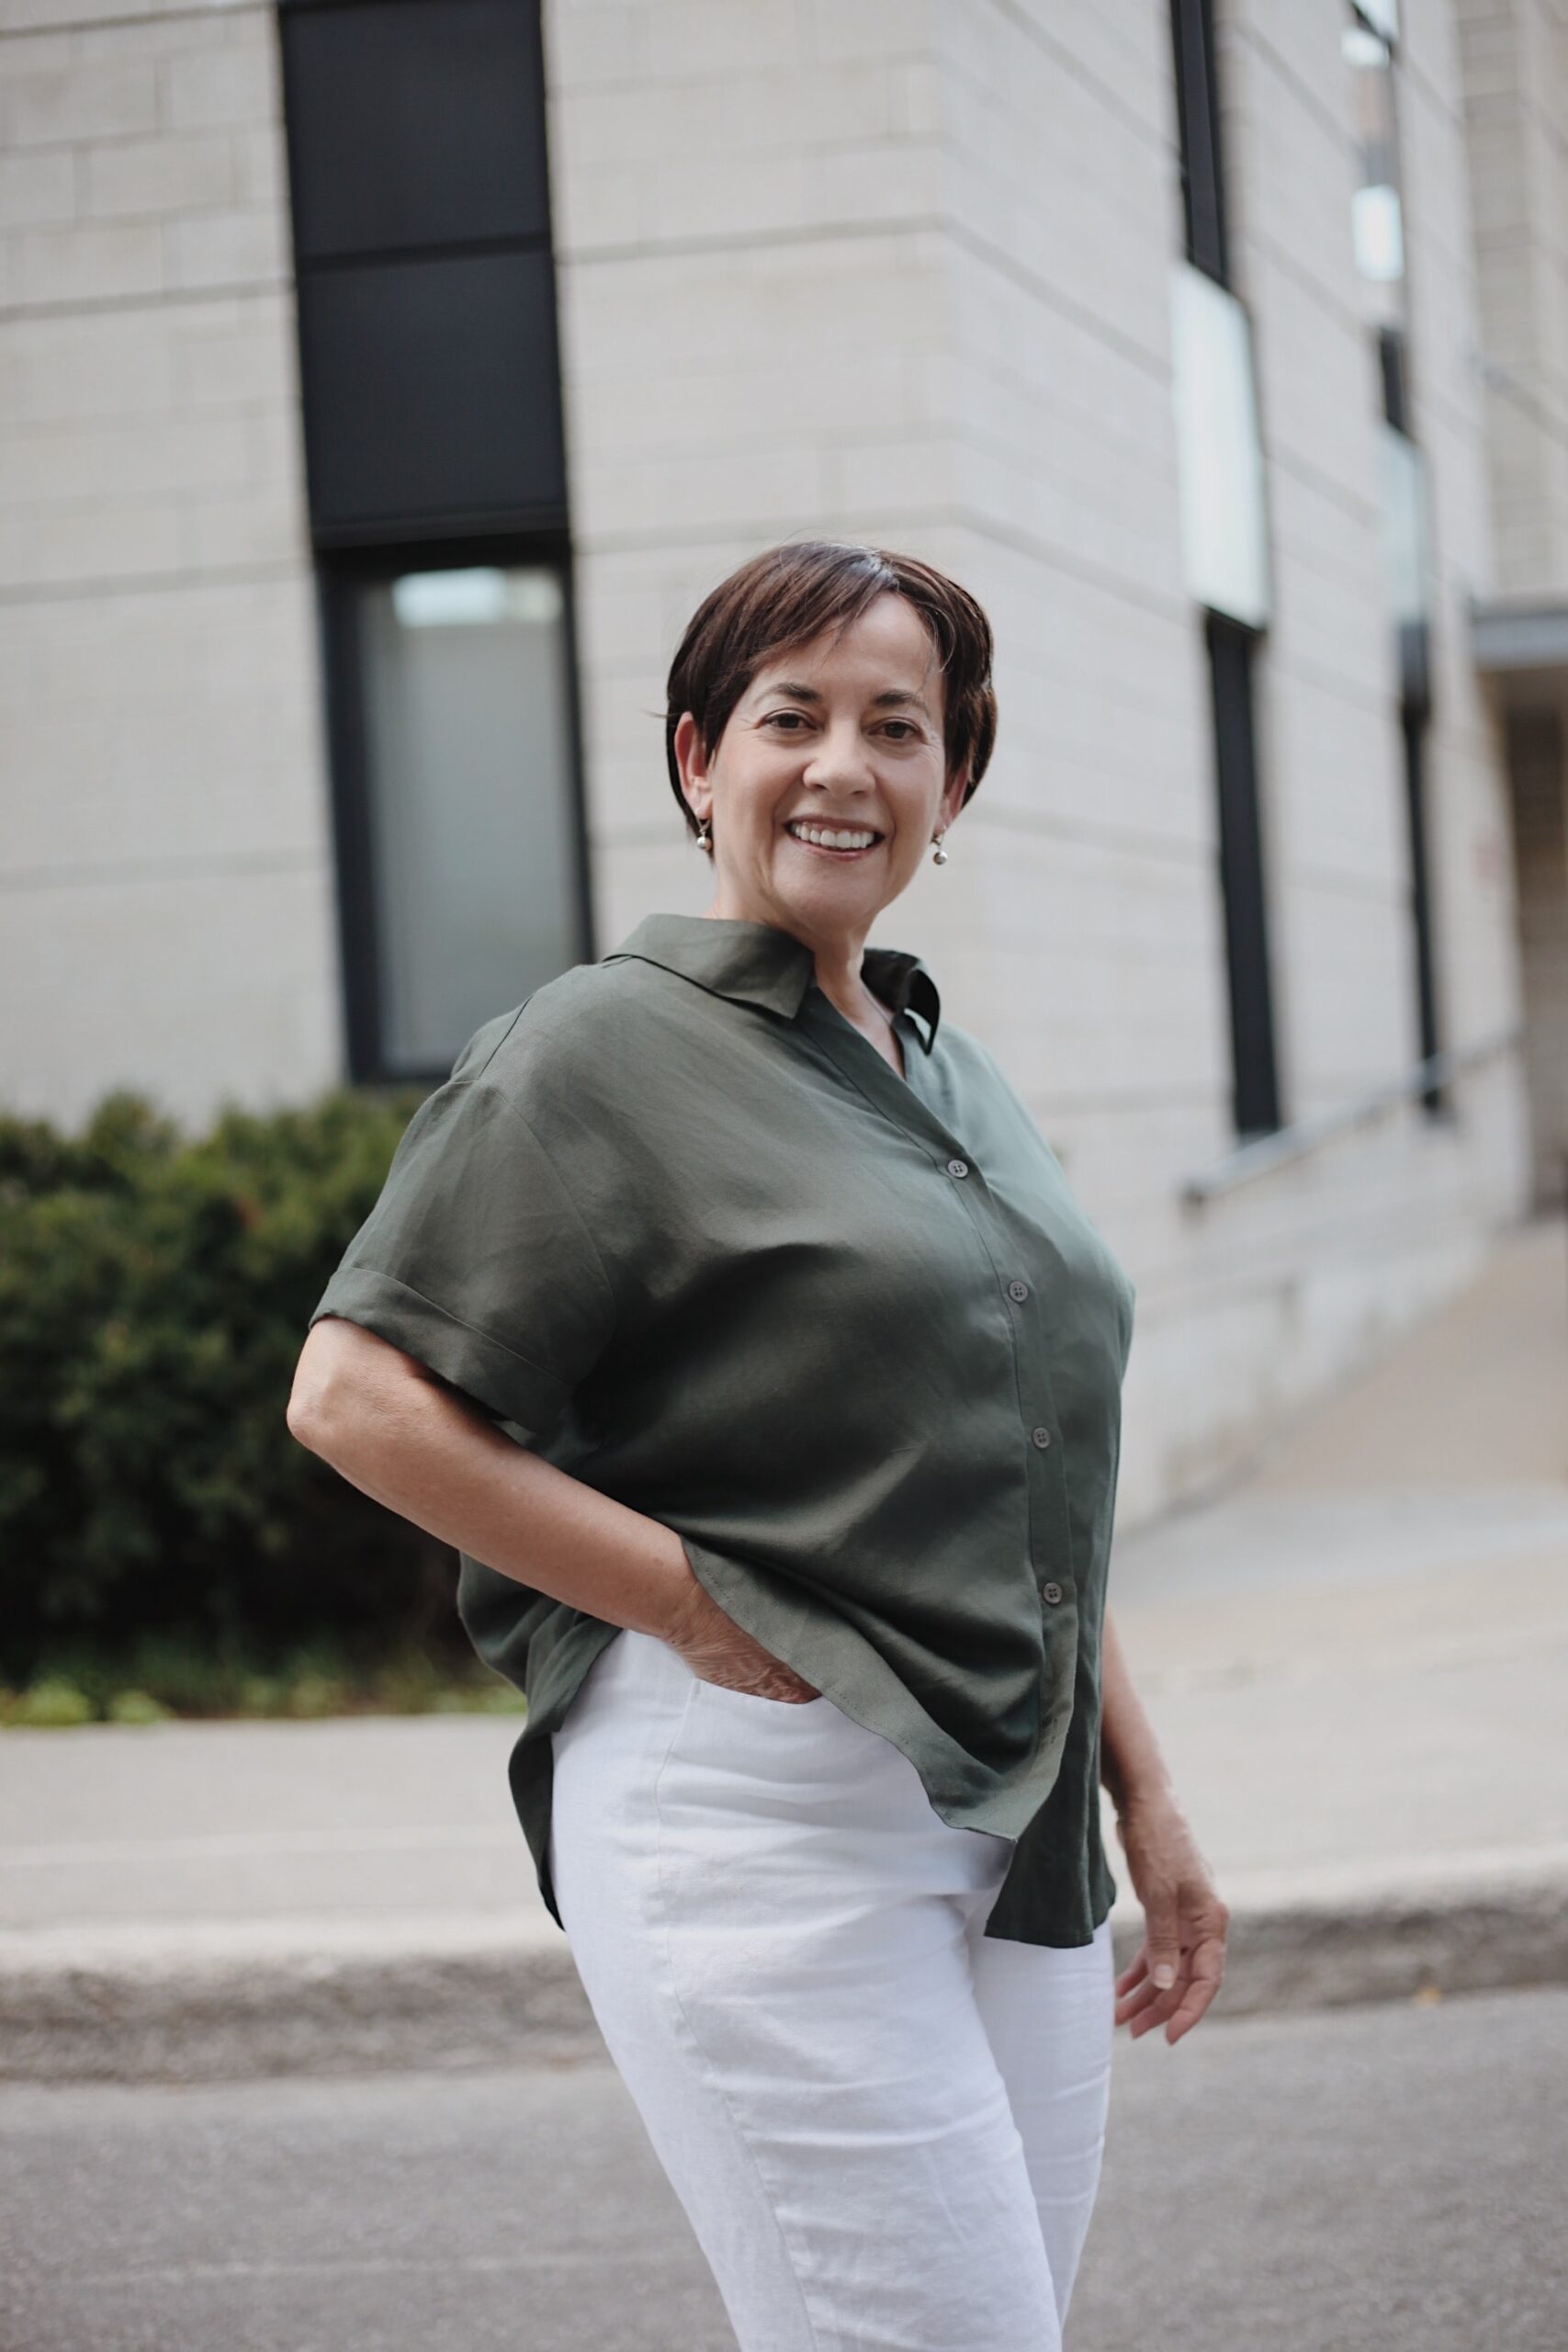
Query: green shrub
[
  {"x": 51, "y": 1704},
  {"x": 157, "y": 1676},
  {"x": 135, "y": 1707},
  {"x": 155, "y": 1294}
]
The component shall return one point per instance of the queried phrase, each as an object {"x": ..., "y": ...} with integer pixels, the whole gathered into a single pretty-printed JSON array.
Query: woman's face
[{"x": 845, "y": 737}]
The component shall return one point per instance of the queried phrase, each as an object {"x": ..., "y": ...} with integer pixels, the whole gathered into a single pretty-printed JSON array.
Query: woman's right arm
[{"x": 389, "y": 1427}]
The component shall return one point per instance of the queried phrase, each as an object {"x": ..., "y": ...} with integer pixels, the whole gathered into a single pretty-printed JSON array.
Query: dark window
[
  {"x": 410, "y": 126},
  {"x": 436, "y": 478},
  {"x": 1412, "y": 731},
  {"x": 421, "y": 241},
  {"x": 1393, "y": 376},
  {"x": 1198, "y": 129},
  {"x": 462, "y": 427},
  {"x": 1257, "y": 1086},
  {"x": 1378, "y": 241},
  {"x": 1229, "y": 644}
]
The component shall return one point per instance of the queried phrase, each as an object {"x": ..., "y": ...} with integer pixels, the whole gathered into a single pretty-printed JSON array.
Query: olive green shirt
[{"x": 679, "y": 1226}]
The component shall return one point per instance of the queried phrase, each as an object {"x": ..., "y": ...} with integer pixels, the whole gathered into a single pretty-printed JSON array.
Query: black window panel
[
  {"x": 426, "y": 292},
  {"x": 432, "y": 396},
  {"x": 413, "y": 125},
  {"x": 1198, "y": 131},
  {"x": 1413, "y": 728},
  {"x": 1393, "y": 365},
  {"x": 1242, "y": 878}
]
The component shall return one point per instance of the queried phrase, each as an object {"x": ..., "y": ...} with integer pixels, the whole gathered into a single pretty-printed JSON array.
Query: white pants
[{"x": 885, "y": 2127}]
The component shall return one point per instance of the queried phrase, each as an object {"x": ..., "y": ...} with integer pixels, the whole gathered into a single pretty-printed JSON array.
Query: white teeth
[{"x": 825, "y": 840}]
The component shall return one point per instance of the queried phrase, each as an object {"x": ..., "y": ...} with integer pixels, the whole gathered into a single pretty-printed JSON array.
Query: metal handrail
[{"x": 1304, "y": 1136}]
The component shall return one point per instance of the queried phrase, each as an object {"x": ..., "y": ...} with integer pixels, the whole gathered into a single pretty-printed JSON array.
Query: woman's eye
[{"x": 792, "y": 722}]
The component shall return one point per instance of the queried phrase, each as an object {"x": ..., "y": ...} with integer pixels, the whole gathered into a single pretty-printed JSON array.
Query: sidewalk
[{"x": 1356, "y": 1664}]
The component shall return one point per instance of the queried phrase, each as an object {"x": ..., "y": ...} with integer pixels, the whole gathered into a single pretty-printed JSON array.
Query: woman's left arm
[{"x": 1178, "y": 1967}]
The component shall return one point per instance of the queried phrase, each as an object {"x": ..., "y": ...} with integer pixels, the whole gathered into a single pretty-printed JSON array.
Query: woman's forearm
[
  {"x": 1131, "y": 1764},
  {"x": 409, "y": 1441}
]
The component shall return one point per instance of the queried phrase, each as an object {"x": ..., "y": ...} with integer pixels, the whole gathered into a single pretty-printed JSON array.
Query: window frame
[{"x": 342, "y": 577}]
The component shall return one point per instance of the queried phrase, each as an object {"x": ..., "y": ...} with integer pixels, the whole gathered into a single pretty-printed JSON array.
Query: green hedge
[{"x": 154, "y": 1291}]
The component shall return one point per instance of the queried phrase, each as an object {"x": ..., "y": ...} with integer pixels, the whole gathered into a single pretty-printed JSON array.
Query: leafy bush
[
  {"x": 158, "y": 1675},
  {"x": 154, "y": 1293},
  {"x": 135, "y": 1707},
  {"x": 52, "y": 1704}
]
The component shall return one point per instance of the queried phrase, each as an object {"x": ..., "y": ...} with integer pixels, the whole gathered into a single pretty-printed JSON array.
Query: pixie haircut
[{"x": 791, "y": 594}]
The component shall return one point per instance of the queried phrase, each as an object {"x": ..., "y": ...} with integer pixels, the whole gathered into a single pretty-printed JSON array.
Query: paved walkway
[{"x": 1355, "y": 1662}]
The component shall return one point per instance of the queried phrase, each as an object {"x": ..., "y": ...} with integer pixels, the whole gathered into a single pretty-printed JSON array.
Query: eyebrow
[{"x": 890, "y": 697}]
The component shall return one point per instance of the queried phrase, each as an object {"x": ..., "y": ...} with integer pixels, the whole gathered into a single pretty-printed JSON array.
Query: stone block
[
  {"x": 151, "y": 177},
  {"x": 59, "y": 102},
  {"x": 106, "y": 262},
  {"x": 37, "y": 188},
  {"x": 235, "y": 86}
]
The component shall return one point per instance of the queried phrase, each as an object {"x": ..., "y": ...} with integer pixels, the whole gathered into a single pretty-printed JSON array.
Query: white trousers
[{"x": 885, "y": 2127}]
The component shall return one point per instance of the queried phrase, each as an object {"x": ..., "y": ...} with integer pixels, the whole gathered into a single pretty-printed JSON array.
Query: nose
[{"x": 839, "y": 758}]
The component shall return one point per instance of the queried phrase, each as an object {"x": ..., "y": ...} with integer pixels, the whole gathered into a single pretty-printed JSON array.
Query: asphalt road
[{"x": 1352, "y": 2181}]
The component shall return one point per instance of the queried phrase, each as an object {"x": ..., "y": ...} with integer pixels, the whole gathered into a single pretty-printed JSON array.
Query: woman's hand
[
  {"x": 1185, "y": 1921},
  {"x": 718, "y": 1650}
]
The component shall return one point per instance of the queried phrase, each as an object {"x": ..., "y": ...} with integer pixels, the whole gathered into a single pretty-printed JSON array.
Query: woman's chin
[{"x": 847, "y": 887}]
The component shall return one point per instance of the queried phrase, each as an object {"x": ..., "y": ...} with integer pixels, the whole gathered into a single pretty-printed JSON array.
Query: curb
[
  {"x": 215, "y": 2002},
  {"x": 309, "y": 2016}
]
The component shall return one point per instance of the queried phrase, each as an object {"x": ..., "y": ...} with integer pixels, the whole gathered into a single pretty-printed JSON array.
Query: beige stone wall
[
  {"x": 890, "y": 269},
  {"x": 901, "y": 271},
  {"x": 1514, "y": 76},
  {"x": 165, "y": 914},
  {"x": 1513, "y": 60}
]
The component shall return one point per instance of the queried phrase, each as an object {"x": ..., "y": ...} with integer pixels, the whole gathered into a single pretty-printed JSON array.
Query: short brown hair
[{"x": 788, "y": 596}]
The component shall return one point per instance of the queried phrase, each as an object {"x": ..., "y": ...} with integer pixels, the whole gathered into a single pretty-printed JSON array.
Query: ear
[
  {"x": 953, "y": 799},
  {"x": 692, "y": 765}
]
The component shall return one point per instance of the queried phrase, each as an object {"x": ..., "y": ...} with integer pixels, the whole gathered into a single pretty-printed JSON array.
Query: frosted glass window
[
  {"x": 1377, "y": 223},
  {"x": 1378, "y": 233},
  {"x": 1225, "y": 532},
  {"x": 1382, "y": 15},
  {"x": 1405, "y": 527},
  {"x": 472, "y": 835}
]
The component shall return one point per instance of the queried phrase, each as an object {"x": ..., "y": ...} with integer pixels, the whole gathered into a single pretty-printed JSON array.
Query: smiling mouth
[{"x": 836, "y": 841}]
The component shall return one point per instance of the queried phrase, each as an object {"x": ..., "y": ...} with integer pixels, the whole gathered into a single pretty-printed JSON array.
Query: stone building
[{"x": 382, "y": 382}]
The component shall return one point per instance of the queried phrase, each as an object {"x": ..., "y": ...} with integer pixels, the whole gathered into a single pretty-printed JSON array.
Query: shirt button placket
[
  {"x": 1051, "y": 1591},
  {"x": 1039, "y": 1437}
]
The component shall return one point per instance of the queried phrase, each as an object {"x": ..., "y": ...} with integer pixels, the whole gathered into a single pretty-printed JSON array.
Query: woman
[{"x": 728, "y": 1313}]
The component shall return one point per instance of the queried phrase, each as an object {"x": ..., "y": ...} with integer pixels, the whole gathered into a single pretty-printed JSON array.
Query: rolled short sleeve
[{"x": 476, "y": 1259}]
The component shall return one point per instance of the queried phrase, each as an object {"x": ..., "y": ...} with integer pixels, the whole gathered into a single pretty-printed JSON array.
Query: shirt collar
[{"x": 761, "y": 964}]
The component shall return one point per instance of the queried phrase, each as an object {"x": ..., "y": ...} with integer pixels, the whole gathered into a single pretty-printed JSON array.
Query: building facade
[{"x": 384, "y": 381}]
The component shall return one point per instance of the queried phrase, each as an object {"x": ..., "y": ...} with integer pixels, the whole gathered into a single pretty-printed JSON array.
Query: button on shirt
[{"x": 679, "y": 1226}]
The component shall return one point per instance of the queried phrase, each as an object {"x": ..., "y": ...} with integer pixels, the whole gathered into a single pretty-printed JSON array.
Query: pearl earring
[
  {"x": 939, "y": 856},
  {"x": 704, "y": 840}
]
